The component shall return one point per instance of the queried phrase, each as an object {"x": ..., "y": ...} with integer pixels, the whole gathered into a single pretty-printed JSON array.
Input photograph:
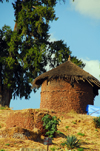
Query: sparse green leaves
[
  {"x": 71, "y": 142},
  {"x": 96, "y": 122},
  {"x": 10, "y": 61},
  {"x": 50, "y": 124},
  {"x": 59, "y": 52}
]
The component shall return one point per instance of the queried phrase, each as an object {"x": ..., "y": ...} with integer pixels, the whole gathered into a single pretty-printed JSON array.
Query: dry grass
[{"x": 71, "y": 124}]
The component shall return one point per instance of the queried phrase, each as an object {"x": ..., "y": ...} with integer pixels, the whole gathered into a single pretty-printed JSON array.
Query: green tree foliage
[
  {"x": 26, "y": 51},
  {"x": 58, "y": 53},
  {"x": 13, "y": 75}
]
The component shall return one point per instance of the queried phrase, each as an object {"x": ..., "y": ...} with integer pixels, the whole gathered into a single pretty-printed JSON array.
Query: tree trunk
[{"x": 5, "y": 96}]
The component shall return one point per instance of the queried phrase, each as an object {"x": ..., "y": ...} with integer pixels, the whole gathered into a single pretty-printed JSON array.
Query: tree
[
  {"x": 58, "y": 53},
  {"x": 26, "y": 51}
]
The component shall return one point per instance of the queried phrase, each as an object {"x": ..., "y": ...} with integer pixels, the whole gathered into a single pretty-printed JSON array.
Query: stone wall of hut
[{"x": 59, "y": 95}]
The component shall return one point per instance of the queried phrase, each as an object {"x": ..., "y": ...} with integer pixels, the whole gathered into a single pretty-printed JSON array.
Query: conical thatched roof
[{"x": 65, "y": 71}]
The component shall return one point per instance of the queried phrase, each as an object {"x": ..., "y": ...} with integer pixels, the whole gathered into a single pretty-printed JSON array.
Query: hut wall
[{"x": 59, "y": 95}]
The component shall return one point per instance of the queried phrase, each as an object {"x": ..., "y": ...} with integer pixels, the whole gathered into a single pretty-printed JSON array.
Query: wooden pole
[
  {"x": 69, "y": 58},
  {"x": 47, "y": 147}
]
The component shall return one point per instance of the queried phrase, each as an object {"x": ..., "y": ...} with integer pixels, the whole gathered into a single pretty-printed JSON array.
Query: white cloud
[
  {"x": 92, "y": 67},
  {"x": 90, "y": 8},
  {"x": 52, "y": 38}
]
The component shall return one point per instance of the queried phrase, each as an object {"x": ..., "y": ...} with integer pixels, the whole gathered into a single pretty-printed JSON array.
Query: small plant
[
  {"x": 96, "y": 130},
  {"x": 67, "y": 127},
  {"x": 4, "y": 108},
  {"x": 7, "y": 144},
  {"x": 80, "y": 149},
  {"x": 53, "y": 149},
  {"x": 97, "y": 122},
  {"x": 0, "y": 126},
  {"x": 50, "y": 124},
  {"x": 58, "y": 148},
  {"x": 80, "y": 134},
  {"x": 59, "y": 132},
  {"x": 63, "y": 144},
  {"x": 2, "y": 150},
  {"x": 73, "y": 122},
  {"x": 71, "y": 142}
]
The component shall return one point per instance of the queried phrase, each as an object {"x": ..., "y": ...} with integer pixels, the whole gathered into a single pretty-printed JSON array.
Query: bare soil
[{"x": 71, "y": 124}]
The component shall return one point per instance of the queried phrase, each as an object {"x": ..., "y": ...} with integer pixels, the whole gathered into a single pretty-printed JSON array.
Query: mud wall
[{"x": 59, "y": 95}]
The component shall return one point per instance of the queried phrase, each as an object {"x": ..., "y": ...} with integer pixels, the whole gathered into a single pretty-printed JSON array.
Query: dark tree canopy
[{"x": 26, "y": 51}]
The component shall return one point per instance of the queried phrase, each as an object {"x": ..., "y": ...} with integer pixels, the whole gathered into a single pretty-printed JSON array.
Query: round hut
[{"x": 67, "y": 87}]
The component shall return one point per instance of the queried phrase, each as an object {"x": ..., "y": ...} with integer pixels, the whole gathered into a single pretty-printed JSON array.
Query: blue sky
[{"x": 79, "y": 26}]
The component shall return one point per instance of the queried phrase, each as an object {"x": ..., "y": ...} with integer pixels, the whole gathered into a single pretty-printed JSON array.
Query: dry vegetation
[{"x": 80, "y": 125}]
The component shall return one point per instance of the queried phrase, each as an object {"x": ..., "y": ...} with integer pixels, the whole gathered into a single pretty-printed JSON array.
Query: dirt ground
[{"x": 80, "y": 125}]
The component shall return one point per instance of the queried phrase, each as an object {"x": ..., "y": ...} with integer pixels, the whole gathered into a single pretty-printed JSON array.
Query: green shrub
[
  {"x": 80, "y": 134},
  {"x": 59, "y": 132},
  {"x": 80, "y": 149},
  {"x": 73, "y": 122},
  {"x": 67, "y": 127},
  {"x": 50, "y": 124},
  {"x": 96, "y": 130},
  {"x": 71, "y": 142},
  {"x": 53, "y": 149},
  {"x": 63, "y": 144},
  {"x": 7, "y": 144},
  {"x": 2, "y": 108},
  {"x": 97, "y": 122}
]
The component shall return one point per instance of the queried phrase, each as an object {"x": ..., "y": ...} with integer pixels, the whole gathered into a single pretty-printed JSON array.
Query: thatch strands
[
  {"x": 67, "y": 70},
  {"x": 89, "y": 82}
]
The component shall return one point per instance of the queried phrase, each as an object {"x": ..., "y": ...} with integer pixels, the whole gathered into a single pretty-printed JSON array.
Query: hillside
[{"x": 80, "y": 125}]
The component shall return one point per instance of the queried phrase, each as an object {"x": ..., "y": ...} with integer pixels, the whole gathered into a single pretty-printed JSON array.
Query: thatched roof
[{"x": 65, "y": 71}]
